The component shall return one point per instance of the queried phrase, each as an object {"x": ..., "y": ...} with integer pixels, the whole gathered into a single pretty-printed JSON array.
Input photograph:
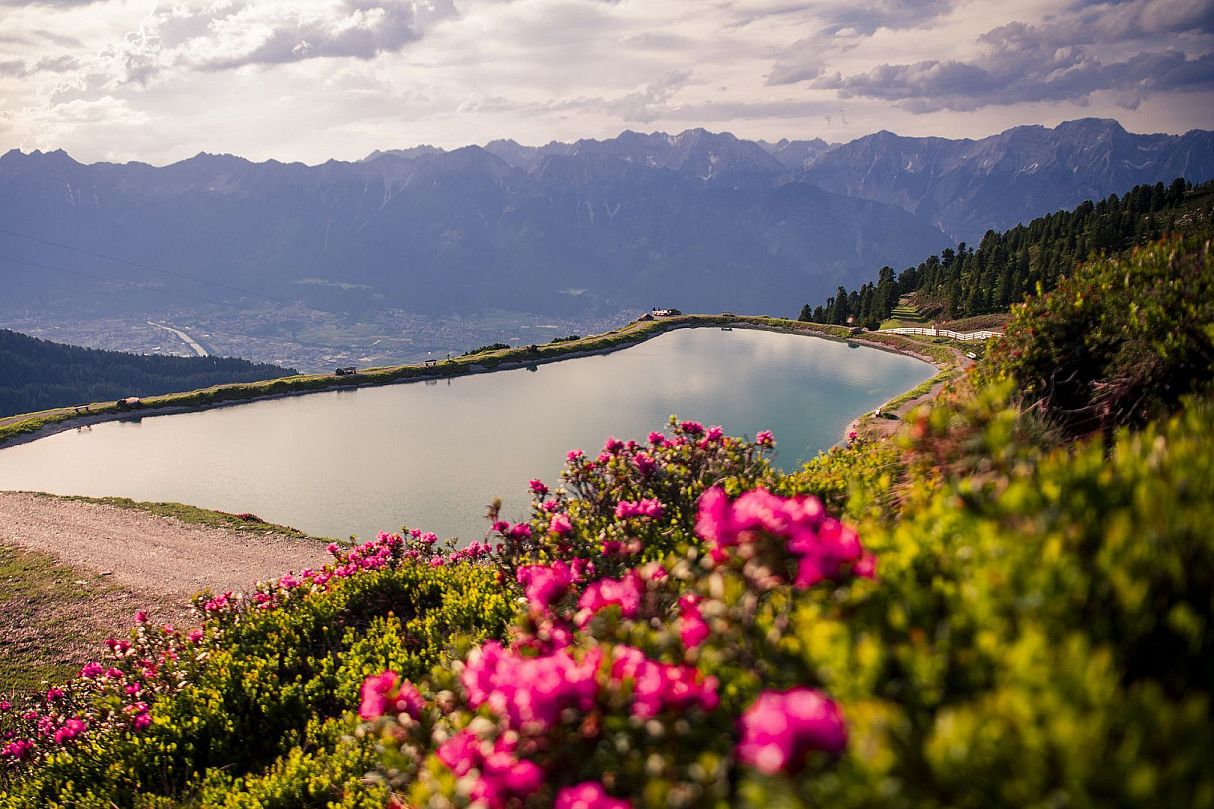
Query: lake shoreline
[{"x": 618, "y": 340}]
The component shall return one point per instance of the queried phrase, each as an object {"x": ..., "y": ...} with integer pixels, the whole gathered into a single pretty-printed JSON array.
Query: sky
[{"x": 310, "y": 80}]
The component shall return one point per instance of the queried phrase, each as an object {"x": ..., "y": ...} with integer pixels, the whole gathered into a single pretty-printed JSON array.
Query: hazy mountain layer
[{"x": 697, "y": 220}]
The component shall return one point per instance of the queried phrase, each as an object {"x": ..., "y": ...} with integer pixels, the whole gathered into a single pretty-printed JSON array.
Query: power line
[
  {"x": 42, "y": 266},
  {"x": 146, "y": 267}
]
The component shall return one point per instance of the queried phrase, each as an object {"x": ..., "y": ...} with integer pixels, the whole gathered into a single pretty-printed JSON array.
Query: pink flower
[
  {"x": 715, "y": 433},
  {"x": 92, "y": 669},
  {"x": 560, "y": 524},
  {"x": 612, "y": 445},
  {"x": 461, "y": 753},
  {"x": 574, "y": 455},
  {"x": 380, "y": 695},
  {"x": 53, "y": 694},
  {"x": 781, "y": 727},
  {"x": 141, "y": 721},
  {"x": 692, "y": 627},
  {"x": 822, "y": 547},
  {"x": 588, "y": 795},
  {"x": 503, "y": 776},
  {"x": 5, "y": 705},
  {"x": 520, "y": 531},
  {"x": 69, "y": 730},
  {"x": 195, "y": 636},
  {"x": 141, "y": 616},
  {"x": 538, "y": 487},
  {"x": 529, "y": 690},
  {"x": 658, "y": 686},
  {"x": 624, "y": 593},
  {"x": 18, "y": 749},
  {"x": 651, "y": 507},
  {"x": 691, "y": 427},
  {"x": 544, "y": 584},
  {"x": 428, "y": 538},
  {"x": 657, "y": 438},
  {"x": 764, "y": 438},
  {"x": 333, "y": 548},
  {"x": 645, "y": 464},
  {"x": 852, "y": 435}
]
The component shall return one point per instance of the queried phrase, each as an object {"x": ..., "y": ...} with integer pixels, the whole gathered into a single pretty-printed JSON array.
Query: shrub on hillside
[{"x": 1118, "y": 342}]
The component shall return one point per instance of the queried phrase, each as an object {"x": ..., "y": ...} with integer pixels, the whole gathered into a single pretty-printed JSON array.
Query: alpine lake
[{"x": 431, "y": 455}]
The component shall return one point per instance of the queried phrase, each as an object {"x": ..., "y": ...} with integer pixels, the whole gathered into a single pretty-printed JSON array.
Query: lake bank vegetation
[
  {"x": 1005, "y": 605},
  {"x": 39, "y": 374}
]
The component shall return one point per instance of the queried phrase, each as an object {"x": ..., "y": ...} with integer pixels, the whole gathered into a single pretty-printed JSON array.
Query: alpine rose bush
[{"x": 611, "y": 690}]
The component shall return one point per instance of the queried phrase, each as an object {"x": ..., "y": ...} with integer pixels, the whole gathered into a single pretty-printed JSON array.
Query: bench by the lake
[
  {"x": 349, "y": 370},
  {"x": 82, "y": 409}
]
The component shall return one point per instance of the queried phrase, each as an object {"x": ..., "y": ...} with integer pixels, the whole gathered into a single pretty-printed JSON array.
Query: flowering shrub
[{"x": 653, "y": 686}]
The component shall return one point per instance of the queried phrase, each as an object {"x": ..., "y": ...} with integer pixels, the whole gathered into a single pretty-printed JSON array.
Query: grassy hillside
[
  {"x": 996, "y": 608},
  {"x": 39, "y": 374}
]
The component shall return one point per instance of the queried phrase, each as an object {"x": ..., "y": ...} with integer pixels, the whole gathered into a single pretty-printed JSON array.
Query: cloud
[
  {"x": 50, "y": 3},
  {"x": 864, "y": 18},
  {"x": 20, "y": 69},
  {"x": 641, "y": 106},
  {"x": 275, "y": 33},
  {"x": 1067, "y": 58}
]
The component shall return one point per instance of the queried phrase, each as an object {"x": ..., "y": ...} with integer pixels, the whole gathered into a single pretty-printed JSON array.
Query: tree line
[
  {"x": 40, "y": 374},
  {"x": 1027, "y": 260}
]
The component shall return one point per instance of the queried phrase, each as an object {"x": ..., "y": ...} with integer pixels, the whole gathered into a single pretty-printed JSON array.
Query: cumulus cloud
[{"x": 1067, "y": 58}]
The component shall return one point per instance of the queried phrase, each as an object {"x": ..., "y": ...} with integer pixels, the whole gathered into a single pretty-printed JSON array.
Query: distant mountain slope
[
  {"x": 698, "y": 220},
  {"x": 966, "y": 187},
  {"x": 600, "y": 229},
  {"x": 39, "y": 374}
]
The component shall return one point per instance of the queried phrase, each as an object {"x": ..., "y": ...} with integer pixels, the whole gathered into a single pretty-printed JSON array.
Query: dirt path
[
  {"x": 869, "y": 427},
  {"x": 145, "y": 552},
  {"x": 74, "y": 573}
]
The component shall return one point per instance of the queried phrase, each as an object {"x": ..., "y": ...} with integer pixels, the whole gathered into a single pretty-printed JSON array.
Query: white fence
[{"x": 955, "y": 335}]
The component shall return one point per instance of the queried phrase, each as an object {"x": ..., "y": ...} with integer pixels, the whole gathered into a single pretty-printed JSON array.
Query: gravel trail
[{"x": 148, "y": 553}]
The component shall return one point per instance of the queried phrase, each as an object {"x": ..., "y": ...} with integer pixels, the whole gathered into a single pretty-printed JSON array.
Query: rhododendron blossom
[
  {"x": 69, "y": 730},
  {"x": 560, "y": 524},
  {"x": 588, "y": 795},
  {"x": 692, "y": 627},
  {"x": 782, "y": 727},
  {"x": 529, "y": 691},
  {"x": 651, "y": 507},
  {"x": 380, "y": 695},
  {"x": 624, "y": 593},
  {"x": 821, "y": 545},
  {"x": 544, "y": 584},
  {"x": 661, "y": 686}
]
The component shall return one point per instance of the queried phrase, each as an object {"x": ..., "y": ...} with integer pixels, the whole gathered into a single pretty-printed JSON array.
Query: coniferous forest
[
  {"x": 1007, "y": 267},
  {"x": 41, "y": 374}
]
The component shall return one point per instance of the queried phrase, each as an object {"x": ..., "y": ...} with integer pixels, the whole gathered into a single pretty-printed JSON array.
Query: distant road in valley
[{"x": 190, "y": 341}]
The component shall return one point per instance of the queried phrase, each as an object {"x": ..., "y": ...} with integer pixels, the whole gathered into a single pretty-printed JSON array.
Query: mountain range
[{"x": 700, "y": 220}]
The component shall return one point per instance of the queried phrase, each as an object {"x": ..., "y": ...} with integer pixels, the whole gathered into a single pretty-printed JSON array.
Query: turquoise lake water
[{"x": 431, "y": 455}]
